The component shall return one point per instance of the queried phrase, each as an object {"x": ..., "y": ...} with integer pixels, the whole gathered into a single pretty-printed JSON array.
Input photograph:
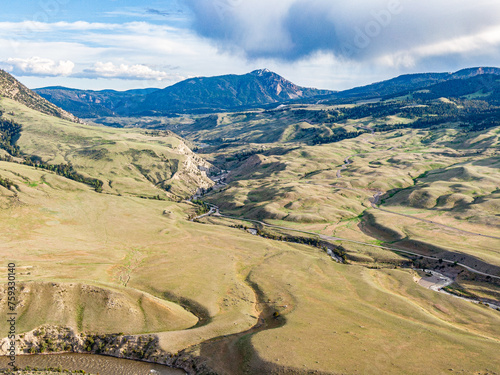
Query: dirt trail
[{"x": 376, "y": 198}]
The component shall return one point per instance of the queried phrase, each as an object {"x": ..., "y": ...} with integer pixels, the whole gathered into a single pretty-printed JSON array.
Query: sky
[{"x": 328, "y": 44}]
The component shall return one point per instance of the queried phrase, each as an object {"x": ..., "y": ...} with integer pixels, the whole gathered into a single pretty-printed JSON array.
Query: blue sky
[{"x": 334, "y": 44}]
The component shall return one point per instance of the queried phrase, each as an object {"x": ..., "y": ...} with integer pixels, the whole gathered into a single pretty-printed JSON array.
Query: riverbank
[
  {"x": 51, "y": 364},
  {"x": 62, "y": 340}
]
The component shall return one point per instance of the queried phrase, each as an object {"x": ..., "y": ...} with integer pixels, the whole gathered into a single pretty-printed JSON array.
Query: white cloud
[
  {"x": 487, "y": 40},
  {"x": 38, "y": 66},
  {"x": 30, "y": 28},
  {"x": 124, "y": 71}
]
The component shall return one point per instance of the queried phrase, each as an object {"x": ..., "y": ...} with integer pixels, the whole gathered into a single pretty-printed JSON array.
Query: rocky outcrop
[
  {"x": 190, "y": 174},
  {"x": 54, "y": 339}
]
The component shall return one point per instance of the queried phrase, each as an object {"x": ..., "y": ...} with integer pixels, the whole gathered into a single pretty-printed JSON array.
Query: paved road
[
  {"x": 376, "y": 198},
  {"x": 437, "y": 282},
  {"x": 329, "y": 238}
]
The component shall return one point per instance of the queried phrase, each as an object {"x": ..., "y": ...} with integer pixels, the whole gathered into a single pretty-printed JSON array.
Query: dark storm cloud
[{"x": 357, "y": 30}]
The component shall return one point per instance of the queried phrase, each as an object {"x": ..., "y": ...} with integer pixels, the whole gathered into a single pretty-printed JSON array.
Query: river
[{"x": 92, "y": 364}]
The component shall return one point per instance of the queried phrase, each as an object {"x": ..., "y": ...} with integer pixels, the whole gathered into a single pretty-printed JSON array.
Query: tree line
[
  {"x": 338, "y": 250},
  {"x": 66, "y": 170},
  {"x": 6, "y": 183},
  {"x": 10, "y": 132}
]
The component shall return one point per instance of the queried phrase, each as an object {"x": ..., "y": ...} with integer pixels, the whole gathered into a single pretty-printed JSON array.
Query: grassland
[
  {"x": 127, "y": 161},
  {"x": 242, "y": 303},
  {"x": 451, "y": 180},
  {"x": 289, "y": 124},
  {"x": 62, "y": 233}
]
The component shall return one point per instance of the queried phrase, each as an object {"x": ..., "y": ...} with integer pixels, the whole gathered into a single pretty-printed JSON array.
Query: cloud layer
[
  {"x": 331, "y": 44},
  {"x": 128, "y": 72},
  {"x": 363, "y": 30},
  {"x": 37, "y": 66},
  {"x": 41, "y": 67}
]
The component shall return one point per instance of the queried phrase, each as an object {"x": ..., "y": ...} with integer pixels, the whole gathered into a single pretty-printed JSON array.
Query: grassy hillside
[
  {"x": 127, "y": 162},
  {"x": 434, "y": 161},
  {"x": 440, "y": 175},
  {"x": 12, "y": 89},
  {"x": 322, "y": 124},
  {"x": 287, "y": 124},
  {"x": 334, "y": 318},
  {"x": 96, "y": 309}
]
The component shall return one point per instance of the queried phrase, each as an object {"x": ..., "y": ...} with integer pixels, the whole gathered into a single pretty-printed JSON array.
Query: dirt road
[{"x": 376, "y": 198}]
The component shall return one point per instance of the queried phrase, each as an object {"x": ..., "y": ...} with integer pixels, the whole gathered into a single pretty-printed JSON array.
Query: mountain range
[
  {"x": 203, "y": 94},
  {"x": 258, "y": 88},
  {"x": 411, "y": 82}
]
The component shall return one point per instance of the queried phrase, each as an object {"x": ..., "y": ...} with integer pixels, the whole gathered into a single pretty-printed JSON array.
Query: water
[{"x": 93, "y": 364}]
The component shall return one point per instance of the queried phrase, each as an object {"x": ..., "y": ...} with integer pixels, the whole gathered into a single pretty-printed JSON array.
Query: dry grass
[
  {"x": 441, "y": 176},
  {"x": 160, "y": 270},
  {"x": 127, "y": 161},
  {"x": 338, "y": 318}
]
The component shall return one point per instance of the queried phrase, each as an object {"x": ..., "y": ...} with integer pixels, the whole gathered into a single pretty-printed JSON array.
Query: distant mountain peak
[
  {"x": 199, "y": 94},
  {"x": 261, "y": 72},
  {"x": 260, "y": 87}
]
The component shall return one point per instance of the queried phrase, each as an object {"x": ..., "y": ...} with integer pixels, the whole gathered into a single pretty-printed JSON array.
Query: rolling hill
[
  {"x": 253, "y": 288},
  {"x": 13, "y": 89},
  {"x": 150, "y": 164}
]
